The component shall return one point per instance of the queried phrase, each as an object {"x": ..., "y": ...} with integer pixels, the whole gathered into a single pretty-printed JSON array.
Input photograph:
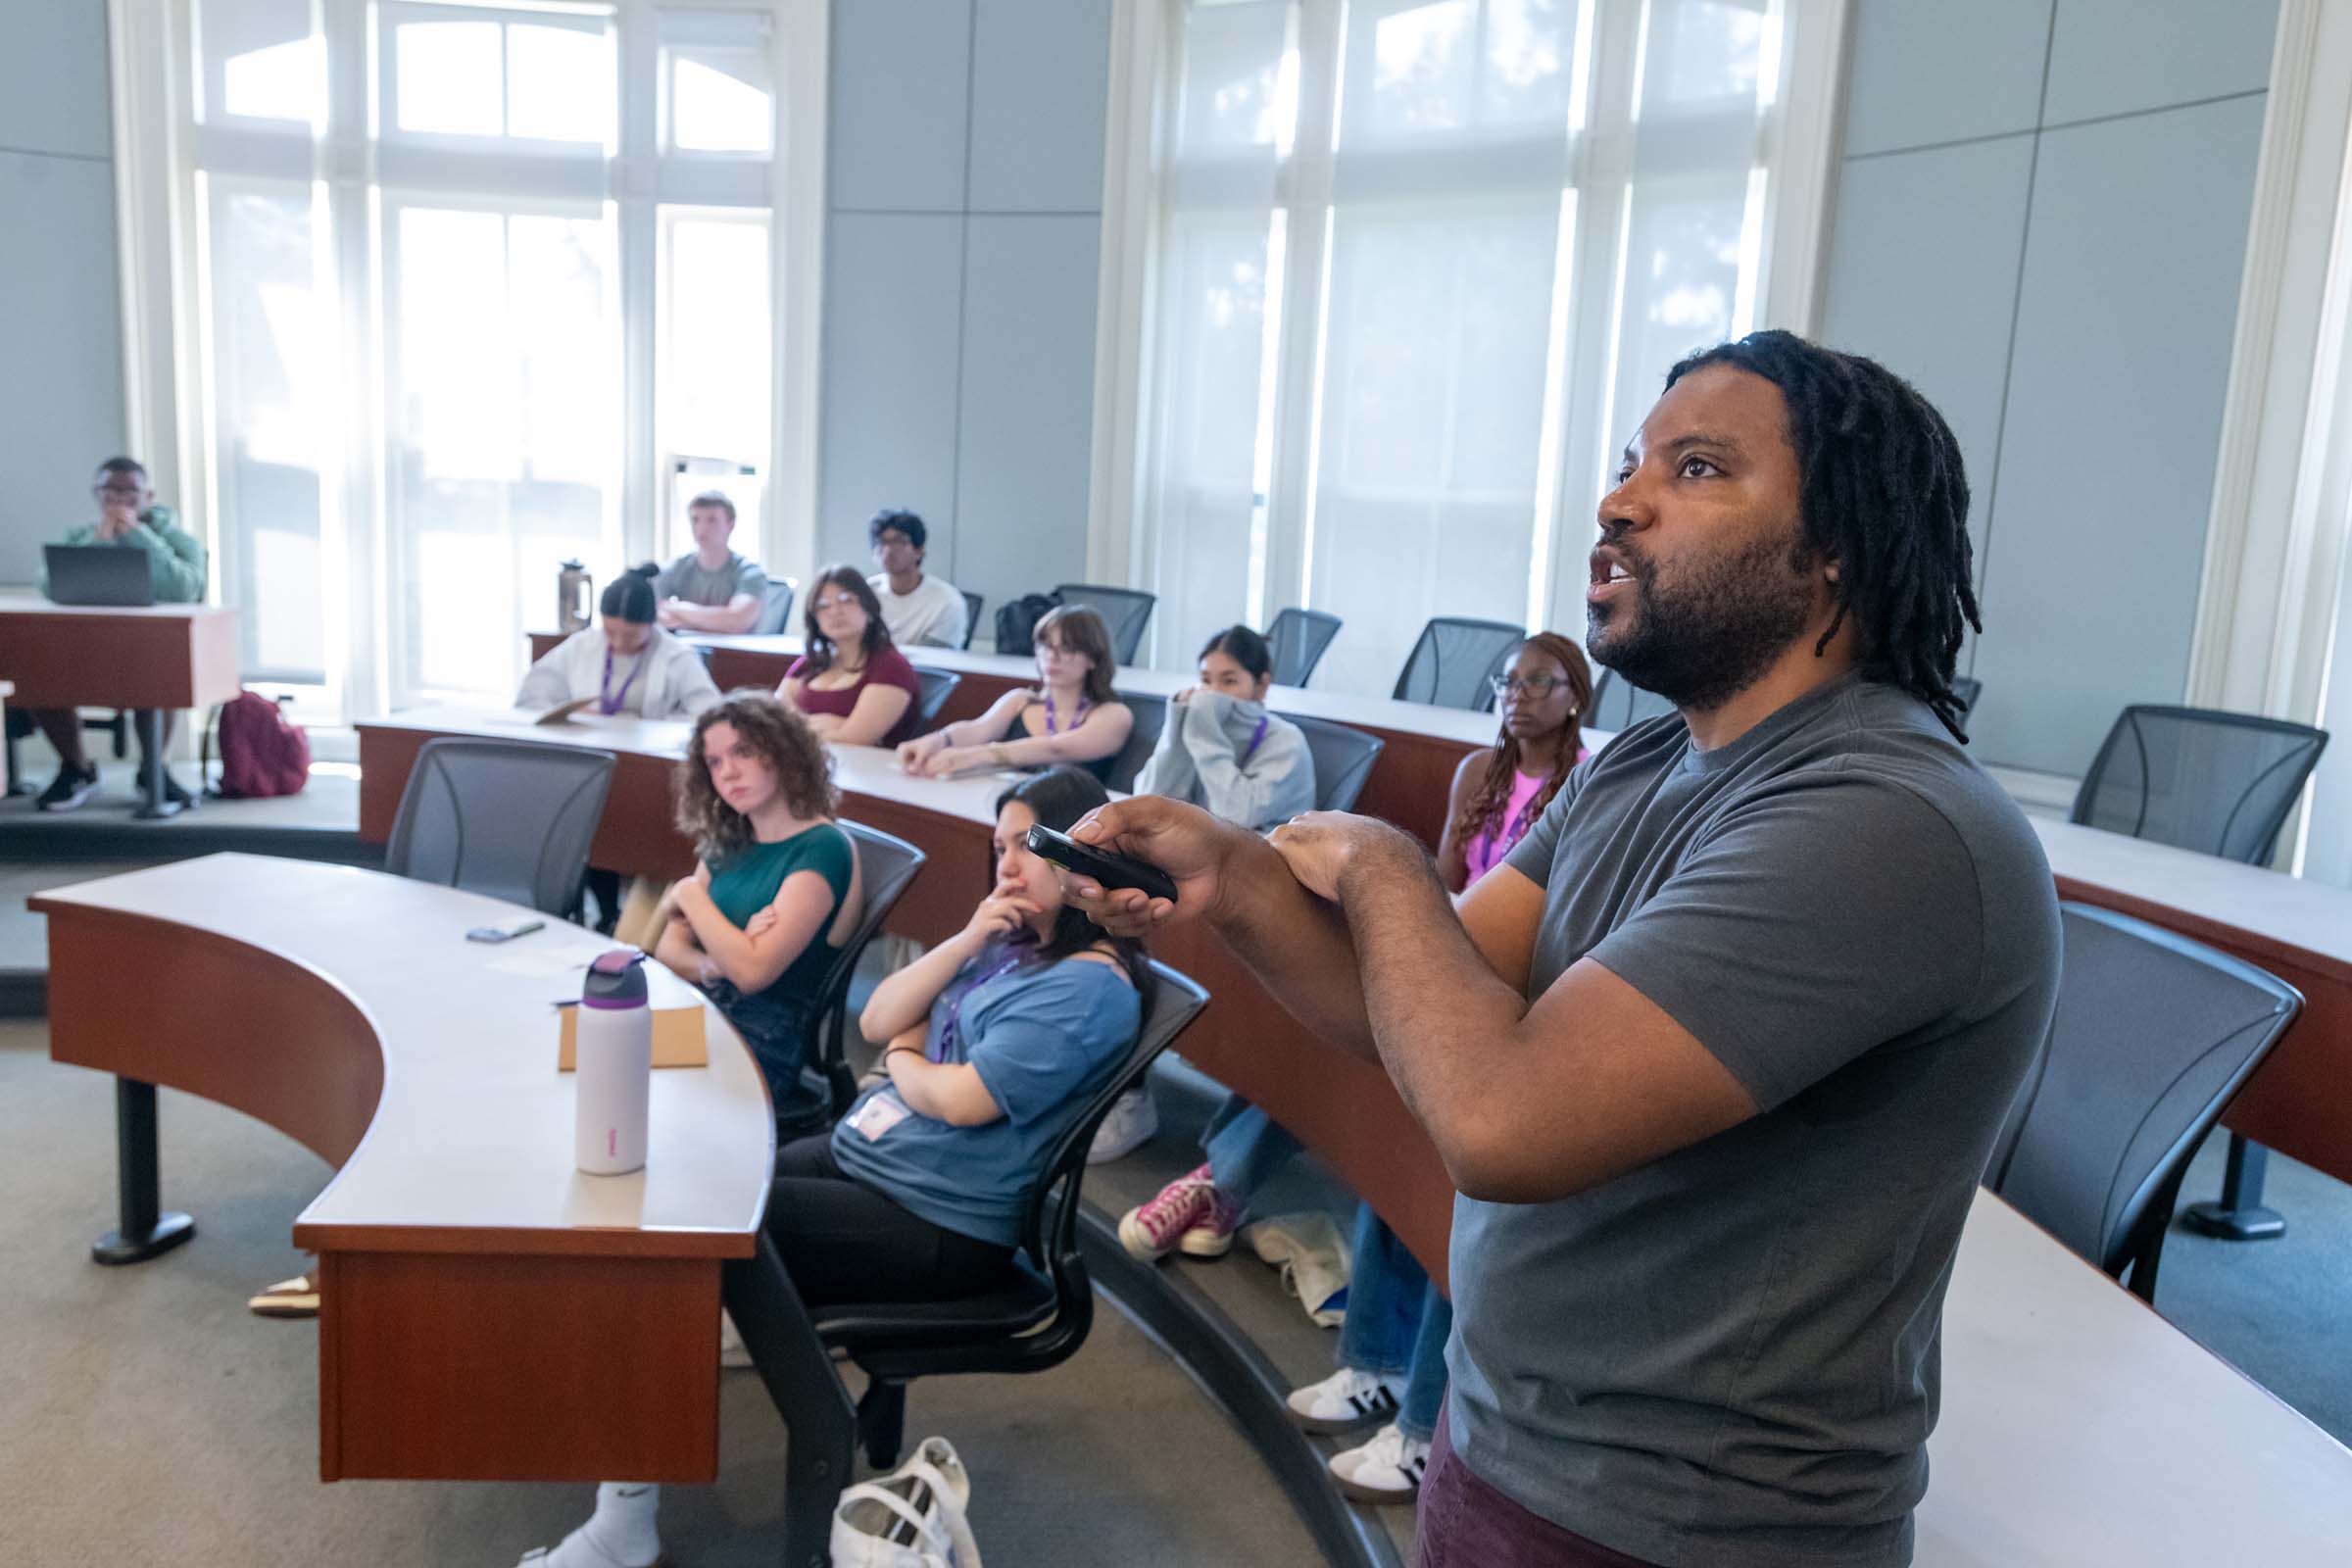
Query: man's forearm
[{"x": 1297, "y": 945}]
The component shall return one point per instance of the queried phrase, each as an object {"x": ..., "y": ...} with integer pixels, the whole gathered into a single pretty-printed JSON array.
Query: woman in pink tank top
[{"x": 1497, "y": 794}]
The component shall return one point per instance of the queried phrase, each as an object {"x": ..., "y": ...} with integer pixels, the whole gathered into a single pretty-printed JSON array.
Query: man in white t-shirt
[{"x": 917, "y": 609}]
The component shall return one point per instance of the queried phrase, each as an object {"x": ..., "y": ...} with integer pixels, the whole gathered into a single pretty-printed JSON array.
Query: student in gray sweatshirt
[{"x": 1222, "y": 751}]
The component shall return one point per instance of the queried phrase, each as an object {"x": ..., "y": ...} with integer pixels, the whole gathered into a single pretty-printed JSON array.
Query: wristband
[{"x": 893, "y": 1050}]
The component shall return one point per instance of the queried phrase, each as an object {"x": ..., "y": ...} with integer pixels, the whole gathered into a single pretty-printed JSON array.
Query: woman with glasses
[
  {"x": 851, "y": 684},
  {"x": 1071, "y": 715},
  {"x": 1391, "y": 1350}
]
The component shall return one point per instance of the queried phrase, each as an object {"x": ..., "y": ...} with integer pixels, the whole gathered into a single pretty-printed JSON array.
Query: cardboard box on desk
[{"x": 678, "y": 1007}]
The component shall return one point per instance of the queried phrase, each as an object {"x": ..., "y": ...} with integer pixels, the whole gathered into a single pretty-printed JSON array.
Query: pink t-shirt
[
  {"x": 888, "y": 668},
  {"x": 1486, "y": 851}
]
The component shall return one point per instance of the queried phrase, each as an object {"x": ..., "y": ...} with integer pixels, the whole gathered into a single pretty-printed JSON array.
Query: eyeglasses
[
  {"x": 842, "y": 602},
  {"x": 1536, "y": 686},
  {"x": 124, "y": 492}
]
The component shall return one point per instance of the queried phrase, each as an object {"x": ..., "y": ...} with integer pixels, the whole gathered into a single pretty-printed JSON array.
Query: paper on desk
[
  {"x": 677, "y": 1007},
  {"x": 543, "y": 963}
]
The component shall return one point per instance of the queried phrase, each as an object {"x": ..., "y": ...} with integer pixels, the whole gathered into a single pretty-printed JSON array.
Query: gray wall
[
  {"x": 60, "y": 330},
  {"x": 2042, "y": 221},
  {"x": 963, "y": 233}
]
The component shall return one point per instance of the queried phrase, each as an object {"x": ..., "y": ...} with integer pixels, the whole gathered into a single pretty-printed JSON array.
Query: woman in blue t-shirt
[
  {"x": 995, "y": 1042},
  {"x": 775, "y": 893}
]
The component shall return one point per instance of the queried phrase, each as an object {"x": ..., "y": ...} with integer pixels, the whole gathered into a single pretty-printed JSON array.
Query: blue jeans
[
  {"x": 1244, "y": 1147},
  {"x": 1396, "y": 1323}
]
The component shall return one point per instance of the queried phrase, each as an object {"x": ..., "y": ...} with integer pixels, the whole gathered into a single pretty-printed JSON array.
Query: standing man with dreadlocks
[{"x": 1716, "y": 1056}]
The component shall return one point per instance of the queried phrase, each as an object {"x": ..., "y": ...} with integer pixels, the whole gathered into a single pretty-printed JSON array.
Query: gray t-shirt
[
  {"x": 1730, "y": 1357},
  {"x": 685, "y": 579}
]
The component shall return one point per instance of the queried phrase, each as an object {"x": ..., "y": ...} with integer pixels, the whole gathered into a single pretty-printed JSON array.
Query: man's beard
[{"x": 1708, "y": 633}]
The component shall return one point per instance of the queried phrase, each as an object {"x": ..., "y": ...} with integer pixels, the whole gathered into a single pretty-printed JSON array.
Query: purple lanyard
[
  {"x": 607, "y": 699},
  {"x": 1076, "y": 720},
  {"x": 1256, "y": 736},
  {"x": 954, "y": 1018}
]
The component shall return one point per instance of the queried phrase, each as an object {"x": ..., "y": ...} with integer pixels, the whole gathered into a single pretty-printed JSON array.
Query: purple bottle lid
[{"x": 615, "y": 980}]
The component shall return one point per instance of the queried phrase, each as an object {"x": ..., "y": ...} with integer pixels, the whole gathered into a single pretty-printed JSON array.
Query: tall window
[
  {"x": 474, "y": 281},
  {"x": 1420, "y": 264}
]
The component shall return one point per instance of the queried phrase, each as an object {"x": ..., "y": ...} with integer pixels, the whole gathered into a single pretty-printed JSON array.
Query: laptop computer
[{"x": 98, "y": 575}]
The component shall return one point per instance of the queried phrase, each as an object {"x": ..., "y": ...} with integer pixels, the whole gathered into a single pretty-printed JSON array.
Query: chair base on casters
[
  {"x": 2217, "y": 1219},
  {"x": 168, "y": 1232}
]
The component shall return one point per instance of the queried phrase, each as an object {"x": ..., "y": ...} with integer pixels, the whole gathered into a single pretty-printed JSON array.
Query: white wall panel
[
  {"x": 1041, "y": 84},
  {"x": 53, "y": 96},
  {"x": 1933, "y": 70},
  {"x": 2116, "y": 57},
  {"x": 898, "y": 105}
]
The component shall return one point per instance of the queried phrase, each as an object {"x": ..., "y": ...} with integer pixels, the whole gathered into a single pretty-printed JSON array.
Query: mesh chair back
[
  {"x": 2153, "y": 1034},
  {"x": 1454, "y": 659},
  {"x": 2198, "y": 779},
  {"x": 1344, "y": 760},
  {"x": 885, "y": 868},
  {"x": 512, "y": 819},
  {"x": 972, "y": 604},
  {"x": 1296, "y": 640},
  {"x": 1620, "y": 705},
  {"x": 1968, "y": 689},
  {"x": 1150, "y": 717},
  {"x": 1125, "y": 610},
  {"x": 775, "y": 608},
  {"x": 938, "y": 686}
]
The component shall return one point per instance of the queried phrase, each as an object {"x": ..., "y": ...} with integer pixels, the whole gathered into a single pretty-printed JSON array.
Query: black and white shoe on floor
[
  {"x": 70, "y": 787},
  {"x": 1345, "y": 1400},
  {"x": 1388, "y": 1469}
]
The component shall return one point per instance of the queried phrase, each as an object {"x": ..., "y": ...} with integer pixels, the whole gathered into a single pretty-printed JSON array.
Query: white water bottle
[{"x": 614, "y": 1058}]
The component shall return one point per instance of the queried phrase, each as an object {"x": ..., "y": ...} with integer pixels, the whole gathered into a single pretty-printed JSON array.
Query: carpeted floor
[{"x": 150, "y": 1420}]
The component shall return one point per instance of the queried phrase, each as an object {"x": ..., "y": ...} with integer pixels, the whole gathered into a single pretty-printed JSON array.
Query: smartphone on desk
[
  {"x": 507, "y": 932},
  {"x": 1110, "y": 870}
]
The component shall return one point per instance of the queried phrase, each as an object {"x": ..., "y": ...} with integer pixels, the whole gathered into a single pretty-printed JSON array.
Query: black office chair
[
  {"x": 775, "y": 606},
  {"x": 1454, "y": 660},
  {"x": 513, "y": 819},
  {"x": 1968, "y": 689},
  {"x": 2221, "y": 784},
  {"x": 1344, "y": 760},
  {"x": 938, "y": 686},
  {"x": 971, "y": 613},
  {"x": 1125, "y": 610},
  {"x": 885, "y": 868},
  {"x": 2153, "y": 1035},
  {"x": 1297, "y": 639},
  {"x": 1619, "y": 705},
  {"x": 1150, "y": 717}
]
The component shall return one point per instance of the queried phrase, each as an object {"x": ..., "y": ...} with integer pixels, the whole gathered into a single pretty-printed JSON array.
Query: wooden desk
[
  {"x": 151, "y": 658},
  {"x": 486, "y": 1307},
  {"x": 2079, "y": 1428},
  {"x": 2299, "y": 930},
  {"x": 1408, "y": 784}
]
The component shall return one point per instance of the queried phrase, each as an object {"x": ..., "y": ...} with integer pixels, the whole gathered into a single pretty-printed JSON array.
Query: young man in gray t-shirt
[
  {"x": 1716, "y": 1058},
  {"x": 711, "y": 588}
]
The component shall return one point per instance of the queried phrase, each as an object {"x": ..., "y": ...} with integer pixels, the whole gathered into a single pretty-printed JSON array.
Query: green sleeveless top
[{"x": 745, "y": 882}]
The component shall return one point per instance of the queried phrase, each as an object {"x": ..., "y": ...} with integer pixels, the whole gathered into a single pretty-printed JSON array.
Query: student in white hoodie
[{"x": 626, "y": 663}]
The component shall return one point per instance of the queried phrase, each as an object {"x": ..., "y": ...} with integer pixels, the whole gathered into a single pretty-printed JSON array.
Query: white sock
[{"x": 622, "y": 1532}]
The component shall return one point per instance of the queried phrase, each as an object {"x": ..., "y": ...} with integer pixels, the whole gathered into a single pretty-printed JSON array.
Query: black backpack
[{"x": 1016, "y": 621}]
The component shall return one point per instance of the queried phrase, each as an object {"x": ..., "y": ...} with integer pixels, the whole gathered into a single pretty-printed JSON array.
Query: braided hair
[
  {"x": 1494, "y": 792},
  {"x": 1881, "y": 490}
]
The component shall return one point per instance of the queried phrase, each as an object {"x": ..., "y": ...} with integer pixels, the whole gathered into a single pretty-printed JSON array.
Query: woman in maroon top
[{"x": 856, "y": 688}]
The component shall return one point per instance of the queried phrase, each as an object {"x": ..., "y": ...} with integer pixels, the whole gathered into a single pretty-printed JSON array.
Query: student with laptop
[
  {"x": 128, "y": 518},
  {"x": 711, "y": 588}
]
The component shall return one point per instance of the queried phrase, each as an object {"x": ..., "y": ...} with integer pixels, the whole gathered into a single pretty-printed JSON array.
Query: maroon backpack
[{"x": 261, "y": 754}]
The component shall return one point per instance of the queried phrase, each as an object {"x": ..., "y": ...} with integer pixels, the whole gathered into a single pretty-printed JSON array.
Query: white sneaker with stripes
[
  {"x": 1345, "y": 1400},
  {"x": 1388, "y": 1469}
]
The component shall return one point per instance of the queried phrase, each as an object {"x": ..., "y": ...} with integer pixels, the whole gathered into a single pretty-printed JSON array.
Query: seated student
[
  {"x": 711, "y": 588},
  {"x": 919, "y": 610},
  {"x": 129, "y": 518},
  {"x": 996, "y": 1041},
  {"x": 1391, "y": 1350},
  {"x": 1221, "y": 751},
  {"x": 852, "y": 683},
  {"x": 1073, "y": 716},
  {"x": 776, "y": 891},
  {"x": 628, "y": 664}
]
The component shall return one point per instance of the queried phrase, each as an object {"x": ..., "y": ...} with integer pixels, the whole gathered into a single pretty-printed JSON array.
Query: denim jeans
[
  {"x": 1244, "y": 1147},
  {"x": 1396, "y": 1322}
]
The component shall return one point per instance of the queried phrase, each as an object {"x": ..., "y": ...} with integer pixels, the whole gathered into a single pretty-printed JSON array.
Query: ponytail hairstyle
[
  {"x": 1245, "y": 646},
  {"x": 1494, "y": 792},
  {"x": 630, "y": 595},
  {"x": 1057, "y": 798}
]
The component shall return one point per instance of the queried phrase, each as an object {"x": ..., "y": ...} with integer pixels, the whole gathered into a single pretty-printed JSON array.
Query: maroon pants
[{"x": 1464, "y": 1523}]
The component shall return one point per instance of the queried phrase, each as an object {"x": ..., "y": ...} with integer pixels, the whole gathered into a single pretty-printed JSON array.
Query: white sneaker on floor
[
  {"x": 1345, "y": 1400},
  {"x": 1388, "y": 1469},
  {"x": 1132, "y": 1121}
]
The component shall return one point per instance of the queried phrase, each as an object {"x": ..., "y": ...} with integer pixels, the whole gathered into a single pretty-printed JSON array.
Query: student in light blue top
[{"x": 996, "y": 1041}]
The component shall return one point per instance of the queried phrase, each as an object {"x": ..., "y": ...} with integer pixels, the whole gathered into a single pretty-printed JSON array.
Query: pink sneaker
[
  {"x": 1211, "y": 1235},
  {"x": 1151, "y": 1232}
]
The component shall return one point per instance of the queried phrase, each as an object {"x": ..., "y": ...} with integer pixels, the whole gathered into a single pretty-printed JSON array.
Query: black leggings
[{"x": 843, "y": 1242}]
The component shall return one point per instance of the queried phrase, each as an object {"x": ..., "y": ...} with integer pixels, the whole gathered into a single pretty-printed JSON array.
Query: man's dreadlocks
[{"x": 1881, "y": 490}]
